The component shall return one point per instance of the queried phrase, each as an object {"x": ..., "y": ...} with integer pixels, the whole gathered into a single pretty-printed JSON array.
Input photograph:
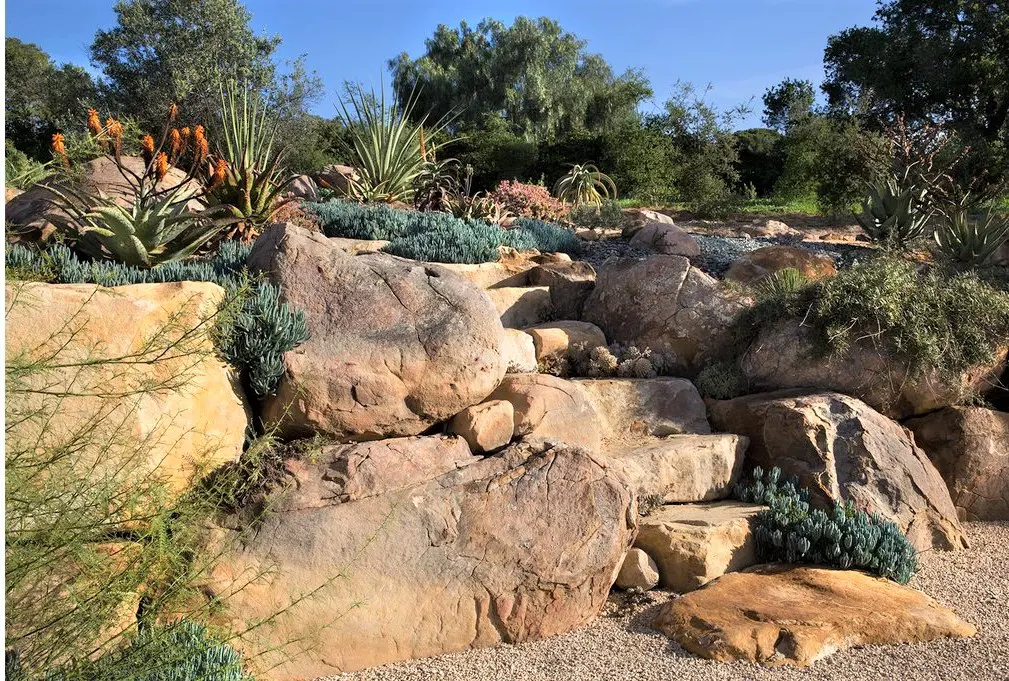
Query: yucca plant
[
  {"x": 896, "y": 212},
  {"x": 387, "y": 147},
  {"x": 585, "y": 185},
  {"x": 251, "y": 180},
  {"x": 970, "y": 241}
]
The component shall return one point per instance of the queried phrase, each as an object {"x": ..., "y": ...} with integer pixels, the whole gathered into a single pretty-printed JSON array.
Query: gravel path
[{"x": 621, "y": 647}]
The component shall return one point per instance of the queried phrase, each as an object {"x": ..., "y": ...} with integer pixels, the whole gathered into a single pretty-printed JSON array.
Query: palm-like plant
[
  {"x": 968, "y": 241},
  {"x": 895, "y": 213},
  {"x": 585, "y": 184},
  {"x": 251, "y": 180},
  {"x": 386, "y": 145}
]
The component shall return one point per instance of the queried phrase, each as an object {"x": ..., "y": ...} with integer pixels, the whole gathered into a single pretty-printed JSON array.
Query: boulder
[
  {"x": 638, "y": 571},
  {"x": 395, "y": 346},
  {"x": 303, "y": 187},
  {"x": 357, "y": 246},
  {"x": 570, "y": 284},
  {"x": 753, "y": 266},
  {"x": 788, "y": 355},
  {"x": 639, "y": 217},
  {"x": 515, "y": 547},
  {"x": 666, "y": 305},
  {"x": 780, "y": 615},
  {"x": 693, "y": 544},
  {"x": 667, "y": 239},
  {"x": 773, "y": 229},
  {"x": 11, "y": 192},
  {"x": 555, "y": 340},
  {"x": 485, "y": 427},
  {"x": 519, "y": 307},
  {"x": 841, "y": 449},
  {"x": 970, "y": 448},
  {"x": 680, "y": 468},
  {"x": 337, "y": 177},
  {"x": 138, "y": 389},
  {"x": 512, "y": 273},
  {"x": 635, "y": 407},
  {"x": 550, "y": 407},
  {"x": 519, "y": 352}
]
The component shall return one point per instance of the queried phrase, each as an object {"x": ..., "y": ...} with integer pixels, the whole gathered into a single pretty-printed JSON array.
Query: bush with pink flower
[{"x": 529, "y": 201}]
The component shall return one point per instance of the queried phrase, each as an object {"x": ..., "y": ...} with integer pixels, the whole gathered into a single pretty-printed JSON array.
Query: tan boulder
[
  {"x": 552, "y": 408},
  {"x": 788, "y": 355},
  {"x": 519, "y": 352},
  {"x": 511, "y": 273},
  {"x": 511, "y": 548},
  {"x": 664, "y": 304},
  {"x": 570, "y": 285},
  {"x": 395, "y": 346},
  {"x": 779, "y": 615},
  {"x": 11, "y": 192},
  {"x": 666, "y": 239},
  {"x": 555, "y": 340},
  {"x": 638, "y": 571},
  {"x": 774, "y": 229},
  {"x": 693, "y": 544},
  {"x": 970, "y": 448},
  {"x": 523, "y": 306},
  {"x": 753, "y": 266},
  {"x": 635, "y": 407},
  {"x": 840, "y": 449},
  {"x": 356, "y": 246},
  {"x": 303, "y": 187},
  {"x": 680, "y": 468},
  {"x": 137, "y": 385},
  {"x": 639, "y": 217},
  {"x": 337, "y": 177},
  {"x": 485, "y": 427}
]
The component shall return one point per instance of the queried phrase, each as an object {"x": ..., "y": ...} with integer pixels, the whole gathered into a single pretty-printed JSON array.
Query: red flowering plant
[{"x": 529, "y": 201}]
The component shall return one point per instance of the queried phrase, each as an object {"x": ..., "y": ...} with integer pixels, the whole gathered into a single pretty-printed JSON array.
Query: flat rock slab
[
  {"x": 692, "y": 544},
  {"x": 647, "y": 406},
  {"x": 522, "y": 306},
  {"x": 784, "y": 615}
]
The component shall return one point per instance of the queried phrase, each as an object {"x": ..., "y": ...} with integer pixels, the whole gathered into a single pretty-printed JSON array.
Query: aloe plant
[
  {"x": 585, "y": 185},
  {"x": 895, "y": 213},
  {"x": 968, "y": 241},
  {"x": 386, "y": 145}
]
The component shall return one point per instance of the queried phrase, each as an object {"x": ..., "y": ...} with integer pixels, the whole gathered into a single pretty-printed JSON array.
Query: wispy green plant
[
  {"x": 969, "y": 241},
  {"x": 585, "y": 185},
  {"x": 784, "y": 282},
  {"x": 386, "y": 145},
  {"x": 23, "y": 172},
  {"x": 895, "y": 213}
]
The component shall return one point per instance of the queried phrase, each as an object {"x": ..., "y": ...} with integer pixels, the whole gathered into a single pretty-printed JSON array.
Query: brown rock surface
[
  {"x": 570, "y": 284},
  {"x": 554, "y": 340},
  {"x": 635, "y": 407},
  {"x": 552, "y": 408},
  {"x": 485, "y": 427},
  {"x": 666, "y": 239},
  {"x": 638, "y": 571},
  {"x": 523, "y": 306},
  {"x": 753, "y": 266}
]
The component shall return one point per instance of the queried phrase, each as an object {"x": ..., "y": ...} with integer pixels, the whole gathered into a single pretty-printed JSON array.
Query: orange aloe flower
[
  {"x": 200, "y": 145},
  {"x": 220, "y": 170},
  {"x": 147, "y": 148},
  {"x": 175, "y": 142},
  {"x": 114, "y": 128},
  {"x": 59, "y": 148},
  {"x": 173, "y": 111},
  {"x": 94, "y": 123},
  {"x": 160, "y": 166}
]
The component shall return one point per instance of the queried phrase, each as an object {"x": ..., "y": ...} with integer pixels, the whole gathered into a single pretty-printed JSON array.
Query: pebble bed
[{"x": 620, "y": 646}]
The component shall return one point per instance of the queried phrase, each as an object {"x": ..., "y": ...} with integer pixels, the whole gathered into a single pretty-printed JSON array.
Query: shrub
[
  {"x": 793, "y": 532},
  {"x": 23, "y": 172},
  {"x": 932, "y": 320},
  {"x": 255, "y": 331},
  {"x": 529, "y": 201},
  {"x": 625, "y": 361},
  {"x": 609, "y": 215},
  {"x": 721, "y": 381}
]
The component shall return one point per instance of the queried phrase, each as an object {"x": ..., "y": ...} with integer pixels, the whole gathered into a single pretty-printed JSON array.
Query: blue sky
[{"x": 740, "y": 47}]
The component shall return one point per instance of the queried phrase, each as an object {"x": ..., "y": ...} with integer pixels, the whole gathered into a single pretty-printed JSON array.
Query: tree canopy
[
  {"x": 539, "y": 78},
  {"x": 788, "y": 103}
]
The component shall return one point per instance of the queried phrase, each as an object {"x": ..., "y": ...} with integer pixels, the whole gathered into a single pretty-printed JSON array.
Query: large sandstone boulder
[
  {"x": 693, "y": 544},
  {"x": 638, "y": 571},
  {"x": 666, "y": 239},
  {"x": 637, "y": 218},
  {"x": 519, "y": 352},
  {"x": 666, "y": 305},
  {"x": 126, "y": 378},
  {"x": 779, "y": 615},
  {"x": 788, "y": 355},
  {"x": 970, "y": 447},
  {"x": 570, "y": 284},
  {"x": 509, "y": 272},
  {"x": 485, "y": 427},
  {"x": 774, "y": 229},
  {"x": 516, "y": 547},
  {"x": 395, "y": 346},
  {"x": 635, "y": 407},
  {"x": 549, "y": 407},
  {"x": 559, "y": 340},
  {"x": 339, "y": 178},
  {"x": 842, "y": 450},
  {"x": 522, "y": 306},
  {"x": 753, "y": 266}
]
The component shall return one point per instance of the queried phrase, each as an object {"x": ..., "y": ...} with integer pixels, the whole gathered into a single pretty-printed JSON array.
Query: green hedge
[
  {"x": 439, "y": 237},
  {"x": 254, "y": 335}
]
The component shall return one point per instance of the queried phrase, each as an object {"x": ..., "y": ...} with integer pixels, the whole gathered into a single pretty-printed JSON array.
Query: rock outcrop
[
  {"x": 753, "y": 266},
  {"x": 553, "y": 408}
]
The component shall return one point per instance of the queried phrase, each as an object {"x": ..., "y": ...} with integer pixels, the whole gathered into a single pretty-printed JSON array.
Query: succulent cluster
[
  {"x": 600, "y": 361},
  {"x": 895, "y": 214},
  {"x": 585, "y": 184},
  {"x": 970, "y": 241},
  {"x": 790, "y": 530}
]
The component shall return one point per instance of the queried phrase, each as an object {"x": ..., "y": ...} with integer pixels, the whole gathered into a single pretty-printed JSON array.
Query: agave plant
[
  {"x": 585, "y": 184},
  {"x": 251, "y": 180},
  {"x": 388, "y": 149},
  {"x": 895, "y": 213},
  {"x": 970, "y": 241}
]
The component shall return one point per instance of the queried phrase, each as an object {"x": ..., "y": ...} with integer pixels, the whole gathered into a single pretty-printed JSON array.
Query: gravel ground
[{"x": 621, "y": 647}]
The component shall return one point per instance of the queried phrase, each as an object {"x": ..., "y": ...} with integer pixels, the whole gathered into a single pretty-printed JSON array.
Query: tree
[
  {"x": 788, "y": 103},
  {"x": 944, "y": 61},
  {"x": 40, "y": 98},
  {"x": 760, "y": 159},
  {"x": 165, "y": 51},
  {"x": 539, "y": 77}
]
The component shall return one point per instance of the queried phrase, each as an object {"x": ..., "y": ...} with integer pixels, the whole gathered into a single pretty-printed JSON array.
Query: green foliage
[
  {"x": 761, "y": 160},
  {"x": 788, "y": 103},
  {"x": 495, "y": 153},
  {"x": 792, "y": 531},
  {"x": 932, "y": 320},
  {"x": 787, "y": 282},
  {"x": 253, "y": 336},
  {"x": 969, "y": 241},
  {"x": 643, "y": 159},
  {"x": 608, "y": 215},
  {"x": 23, "y": 172},
  {"x": 585, "y": 185},
  {"x": 721, "y": 381},
  {"x": 895, "y": 214},
  {"x": 182, "y": 651},
  {"x": 541, "y": 77}
]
